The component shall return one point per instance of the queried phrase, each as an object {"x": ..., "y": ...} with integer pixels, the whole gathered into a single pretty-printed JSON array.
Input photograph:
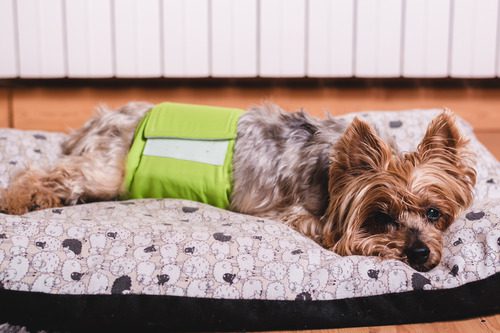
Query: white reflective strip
[{"x": 203, "y": 151}]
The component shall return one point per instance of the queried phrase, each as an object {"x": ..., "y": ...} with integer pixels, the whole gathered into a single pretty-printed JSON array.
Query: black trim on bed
[{"x": 170, "y": 313}]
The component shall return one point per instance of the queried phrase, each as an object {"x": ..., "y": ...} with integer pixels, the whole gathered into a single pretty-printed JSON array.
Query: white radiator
[{"x": 249, "y": 38}]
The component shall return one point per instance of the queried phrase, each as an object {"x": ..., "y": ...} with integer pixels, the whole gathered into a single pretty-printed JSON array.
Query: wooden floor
[
  {"x": 59, "y": 108},
  {"x": 489, "y": 324}
]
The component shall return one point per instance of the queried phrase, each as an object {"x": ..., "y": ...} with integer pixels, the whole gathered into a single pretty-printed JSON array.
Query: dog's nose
[{"x": 418, "y": 253}]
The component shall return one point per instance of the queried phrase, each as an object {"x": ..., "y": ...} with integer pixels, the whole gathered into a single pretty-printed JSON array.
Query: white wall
[{"x": 249, "y": 38}]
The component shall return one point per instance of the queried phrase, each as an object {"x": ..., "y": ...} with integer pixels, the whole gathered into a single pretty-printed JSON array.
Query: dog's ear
[
  {"x": 360, "y": 148},
  {"x": 444, "y": 146},
  {"x": 442, "y": 139}
]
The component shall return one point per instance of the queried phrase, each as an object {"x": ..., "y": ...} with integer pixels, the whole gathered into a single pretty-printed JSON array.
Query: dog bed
[{"x": 184, "y": 266}]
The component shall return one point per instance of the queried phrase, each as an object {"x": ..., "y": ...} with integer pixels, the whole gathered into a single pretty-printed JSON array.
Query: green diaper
[{"x": 183, "y": 151}]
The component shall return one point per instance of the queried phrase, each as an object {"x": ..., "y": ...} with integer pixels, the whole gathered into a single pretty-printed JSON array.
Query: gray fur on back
[
  {"x": 280, "y": 164},
  {"x": 281, "y": 159}
]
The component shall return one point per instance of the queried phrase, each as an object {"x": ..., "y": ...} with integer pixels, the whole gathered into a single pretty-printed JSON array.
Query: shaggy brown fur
[{"x": 343, "y": 187}]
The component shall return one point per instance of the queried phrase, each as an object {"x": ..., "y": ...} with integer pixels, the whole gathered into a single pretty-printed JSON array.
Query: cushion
[{"x": 155, "y": 264}]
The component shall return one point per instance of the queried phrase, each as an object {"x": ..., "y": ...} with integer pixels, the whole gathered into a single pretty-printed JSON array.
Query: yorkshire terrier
[{"x": 342, "y": 186}]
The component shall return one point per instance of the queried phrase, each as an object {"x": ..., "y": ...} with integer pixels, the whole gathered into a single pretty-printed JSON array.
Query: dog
[{"x": 341, "y": 185}]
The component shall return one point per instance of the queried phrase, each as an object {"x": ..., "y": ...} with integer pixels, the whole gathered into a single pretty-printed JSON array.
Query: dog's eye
[
  {"x": 433, "y": 214},
  {"x": 384, "y": 219},
  {"x": 379, "y": 222}
]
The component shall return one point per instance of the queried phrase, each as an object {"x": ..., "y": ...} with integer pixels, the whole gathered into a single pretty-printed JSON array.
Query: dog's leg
[
  {"x": 73, "y": 179},
  {"x": 301, "y": 220},
  {"x": 92, "y": 167}
]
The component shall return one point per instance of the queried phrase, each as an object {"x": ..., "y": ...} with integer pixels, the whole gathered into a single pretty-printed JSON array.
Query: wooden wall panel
[
  {"x": 492, "y": 141},
  {"x": 62, "y": 109},
  {"x": 4, "y": 108},
  {"x": 58, "y": 108}
]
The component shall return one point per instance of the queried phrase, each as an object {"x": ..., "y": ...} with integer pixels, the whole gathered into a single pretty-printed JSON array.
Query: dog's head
[{"x": 397, "y": 206}]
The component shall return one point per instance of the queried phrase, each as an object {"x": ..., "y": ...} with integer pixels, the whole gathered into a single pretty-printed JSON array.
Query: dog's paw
[{"x": 18, "y": 201}]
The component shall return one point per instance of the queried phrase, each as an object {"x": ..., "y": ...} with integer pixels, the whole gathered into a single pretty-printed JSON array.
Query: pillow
[{"x": 180, "y": 265}]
